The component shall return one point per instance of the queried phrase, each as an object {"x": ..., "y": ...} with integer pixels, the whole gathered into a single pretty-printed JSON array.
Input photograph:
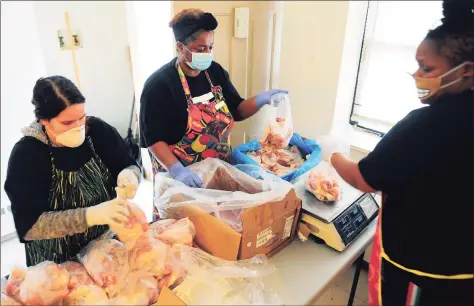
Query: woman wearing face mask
[
  {"x": 189, "y": 105},
  {"x": 424, "y": 168},
  {"x": 62, "y": 173}
]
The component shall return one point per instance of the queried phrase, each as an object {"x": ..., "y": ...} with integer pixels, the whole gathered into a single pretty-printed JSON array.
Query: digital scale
[{"x": 337, "y": 223}]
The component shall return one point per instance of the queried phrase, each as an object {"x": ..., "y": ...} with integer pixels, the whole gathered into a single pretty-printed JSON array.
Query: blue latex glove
[
  {"x": 182, "y": 174},
  {"x": 264, "y": 98}
]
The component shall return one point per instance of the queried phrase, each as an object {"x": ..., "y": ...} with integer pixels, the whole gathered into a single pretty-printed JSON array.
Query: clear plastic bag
[
  {"x": 86, "y": 295},
  {"x": 106, "y": 261},
  {"x": 6, "y": 300},
  {"x": 226, "y": 191},
  {"x": 12, "y": 286},
  {"x": 44, "y": 284},
  {"x": 323, "y": 182},
  {"x": 78, "y": 275},
  {"x": 135, "y": 227},
  {"x": 149, "y": 256},
  {"x": 180, "y": 232},
  {"x": 140, "y": 289},
  {"x": 279, "y": 129},
  {"x": 214, "y": 281}
]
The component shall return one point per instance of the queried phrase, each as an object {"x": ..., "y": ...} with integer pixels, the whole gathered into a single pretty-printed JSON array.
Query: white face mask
[{"x": 72, "y": 138}]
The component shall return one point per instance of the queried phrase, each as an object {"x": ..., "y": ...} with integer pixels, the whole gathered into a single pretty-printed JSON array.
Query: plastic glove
[
  {"x": 112, "y": 213},
  {"x": 330, "y": 145},
  {"x": 265, "y": 98},
  {"x": 182, "y": 174},
  {"x": 127, "y": 182}
]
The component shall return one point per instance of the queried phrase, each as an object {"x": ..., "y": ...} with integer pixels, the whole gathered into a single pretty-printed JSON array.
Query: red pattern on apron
[{"x": 375, "y": 267}]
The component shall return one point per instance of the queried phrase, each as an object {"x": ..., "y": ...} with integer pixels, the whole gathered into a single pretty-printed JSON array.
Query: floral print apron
[{"x": 207, "y": 133}]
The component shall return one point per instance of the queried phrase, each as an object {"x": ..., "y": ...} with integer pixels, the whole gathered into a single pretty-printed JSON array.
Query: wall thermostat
[{"x": 241, "y": 22}]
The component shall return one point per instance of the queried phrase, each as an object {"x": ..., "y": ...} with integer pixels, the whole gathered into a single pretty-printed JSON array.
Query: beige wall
[{"x": 312, "y": 43}]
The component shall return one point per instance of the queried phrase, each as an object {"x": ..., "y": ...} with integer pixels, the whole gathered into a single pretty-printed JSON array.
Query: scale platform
[{"x": 338, "y": 223}]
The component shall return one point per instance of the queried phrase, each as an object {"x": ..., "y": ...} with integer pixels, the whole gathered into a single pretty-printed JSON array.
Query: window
[{"x": 385, "y": 92}]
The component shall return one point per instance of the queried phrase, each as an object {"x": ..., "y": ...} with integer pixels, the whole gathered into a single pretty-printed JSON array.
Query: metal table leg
[{"x": 356, "y": 279}]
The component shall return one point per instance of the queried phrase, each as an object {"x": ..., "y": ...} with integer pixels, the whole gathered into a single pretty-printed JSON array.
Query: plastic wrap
[
  {"x": 226, "y": 191},
  {"x": 309, "y": 149},
  {"x": 279, "y": 128},
  {"x": 44, "y": 284},
  {"x": 149, "y": 256},
  {"x": 106, "y": 261},
  {"x": 140, "y": 289},
  {"x": 78, "y": 275},
  {"x": 86, "y": 295},
  {"x": 180, "y": 232},
  {"x": 12, "y": 287},
  {"x": 6, "y": 300},
  {"x": 135, "y": 227},
  {"x": 323, "y": 182},
  {"x": 214, "y": 281}
]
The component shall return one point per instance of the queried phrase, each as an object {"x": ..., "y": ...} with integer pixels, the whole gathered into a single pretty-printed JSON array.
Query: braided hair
[{"x": 454, "y": 38}]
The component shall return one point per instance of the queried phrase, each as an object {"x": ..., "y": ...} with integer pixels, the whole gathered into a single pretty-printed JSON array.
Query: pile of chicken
[
  {"x": 131, "y": 271},
  {"x": 278, "y": 161},
  {"x": 323, "y": 186}
]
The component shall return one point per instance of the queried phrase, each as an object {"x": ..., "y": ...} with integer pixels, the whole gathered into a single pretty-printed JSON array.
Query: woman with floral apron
[
  {"x": 423, "y": 247},
  {"x": 62, "y": 175},
  {"x": 189, "y": 105}
]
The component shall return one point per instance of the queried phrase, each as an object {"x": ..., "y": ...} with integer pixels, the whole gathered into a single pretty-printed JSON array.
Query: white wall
[
  {"x": 21, "y": 64},
  {"x": 312, "y": 43},
  {"x": 103, "y": 61}
]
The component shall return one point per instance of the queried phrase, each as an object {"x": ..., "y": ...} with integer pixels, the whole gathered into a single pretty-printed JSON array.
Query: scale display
[{"x": 353, "y": 220}]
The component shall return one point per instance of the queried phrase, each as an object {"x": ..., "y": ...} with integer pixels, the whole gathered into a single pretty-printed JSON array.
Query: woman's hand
[
  {"x": 127, "y": 184},
  {"x": 182, "y": 174},
  {"x": 113, "y": 213},
  {"x": 265, "y": 98}
]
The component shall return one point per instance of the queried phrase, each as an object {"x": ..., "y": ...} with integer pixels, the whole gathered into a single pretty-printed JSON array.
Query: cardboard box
[
  {"x": 168, "y": 298},
  {"x": 267, "y": 229}
]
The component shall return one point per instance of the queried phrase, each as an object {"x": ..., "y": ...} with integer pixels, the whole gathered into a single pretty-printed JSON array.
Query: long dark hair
[
  {"x": 51, "y": 95},
  {"x": 455, "y": 37}
]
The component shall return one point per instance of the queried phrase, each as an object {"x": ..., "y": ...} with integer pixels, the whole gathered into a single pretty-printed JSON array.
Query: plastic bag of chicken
[
  {"x": 134, "y": 228},
  {"x": 86, "y": 295},
  {"x": 149, "y": 256},
  {"x": 279, "y": 127},
  {"x": 140, "y": 289},
  {"x": 78, "y": 275},
  {"x": 12, "y": 286},
  {"x": 180, "y": 232},
  {"x": 6, "y": 300},
  {"x": 323, "y": 182},
  {"x": 44, "y": 284},
  {"x": 106, "y": 261}
]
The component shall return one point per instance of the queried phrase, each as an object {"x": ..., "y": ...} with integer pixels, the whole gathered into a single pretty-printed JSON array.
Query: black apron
[{"x": 88, "y": 186}]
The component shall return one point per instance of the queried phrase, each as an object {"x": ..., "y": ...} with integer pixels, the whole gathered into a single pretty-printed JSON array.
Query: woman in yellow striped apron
[{"x": 423, "y": 248}]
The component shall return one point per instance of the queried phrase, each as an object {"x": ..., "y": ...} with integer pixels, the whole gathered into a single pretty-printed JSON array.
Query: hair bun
[
  {"x": 209, "y": 22},
  {"x": 458, "y": 14}
]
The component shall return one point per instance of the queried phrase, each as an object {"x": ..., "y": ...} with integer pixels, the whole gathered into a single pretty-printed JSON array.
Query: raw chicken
[
  {"x": 324, "y": 187},
  {"x": 134, "y": 228},
  {"x": 139, "y": 290},
  {"x": 6, "y": 300},
  {"x": 86, "y": 295},
  {"x": 78, "y": 274},
  {"x": 180, "y": 232},
  {"x": 106, "y": 261},
  {"x": 149, "y": 256},
  {"x": 159, "y": 226},
  {"x": 178, "y": 272},
  {"x": 44, "y": 284},
  {"x": 278, "y": 133},
  {"x": 278, "y": 161},
  {"x": 12, "y": 288}
]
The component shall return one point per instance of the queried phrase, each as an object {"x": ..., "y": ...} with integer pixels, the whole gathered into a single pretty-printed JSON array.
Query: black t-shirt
[
  {"x": 29, "y": 169},
  {"x": 163, "y": 106},
  {"x": 424, "y": 167}
]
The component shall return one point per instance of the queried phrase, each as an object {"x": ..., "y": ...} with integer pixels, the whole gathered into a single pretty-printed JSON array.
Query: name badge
[
  {"x": 220, "y": 105},
  {"x": 204, "y": 98}
]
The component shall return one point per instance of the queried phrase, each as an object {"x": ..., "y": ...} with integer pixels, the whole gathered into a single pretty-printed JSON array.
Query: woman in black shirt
[
  {"x": 189, "y": 105},
  {"x": 62, "y": 173},
  {"x": 423, "y": 248}
]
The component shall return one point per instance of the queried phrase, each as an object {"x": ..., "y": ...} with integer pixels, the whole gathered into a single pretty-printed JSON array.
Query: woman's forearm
[
  {"x": 162, "y": 152},
  {"x": 247, "y": 108},
  {"x": 349, "y": 171},
  {"x": 57, "y": 224}
]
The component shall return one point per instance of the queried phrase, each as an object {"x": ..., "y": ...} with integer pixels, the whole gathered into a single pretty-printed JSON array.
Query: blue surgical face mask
[{"x": 199, "y": 61}]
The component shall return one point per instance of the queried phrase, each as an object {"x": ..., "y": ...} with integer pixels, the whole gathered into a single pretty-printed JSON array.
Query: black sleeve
[
  {"x": 231, "y": 96},
  {"x": 110, "y": 146},
  {"x": 156, "y": 116},
  {"x": 28, "y": 183},
  {"x": 387, "y": 168}
]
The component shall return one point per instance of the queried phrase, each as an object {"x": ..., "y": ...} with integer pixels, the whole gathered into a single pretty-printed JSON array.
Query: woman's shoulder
[
  {"x": 162, "y": 76},
  {"x": 29, "y": 150},
  {"x": 95, "y": 127}
]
